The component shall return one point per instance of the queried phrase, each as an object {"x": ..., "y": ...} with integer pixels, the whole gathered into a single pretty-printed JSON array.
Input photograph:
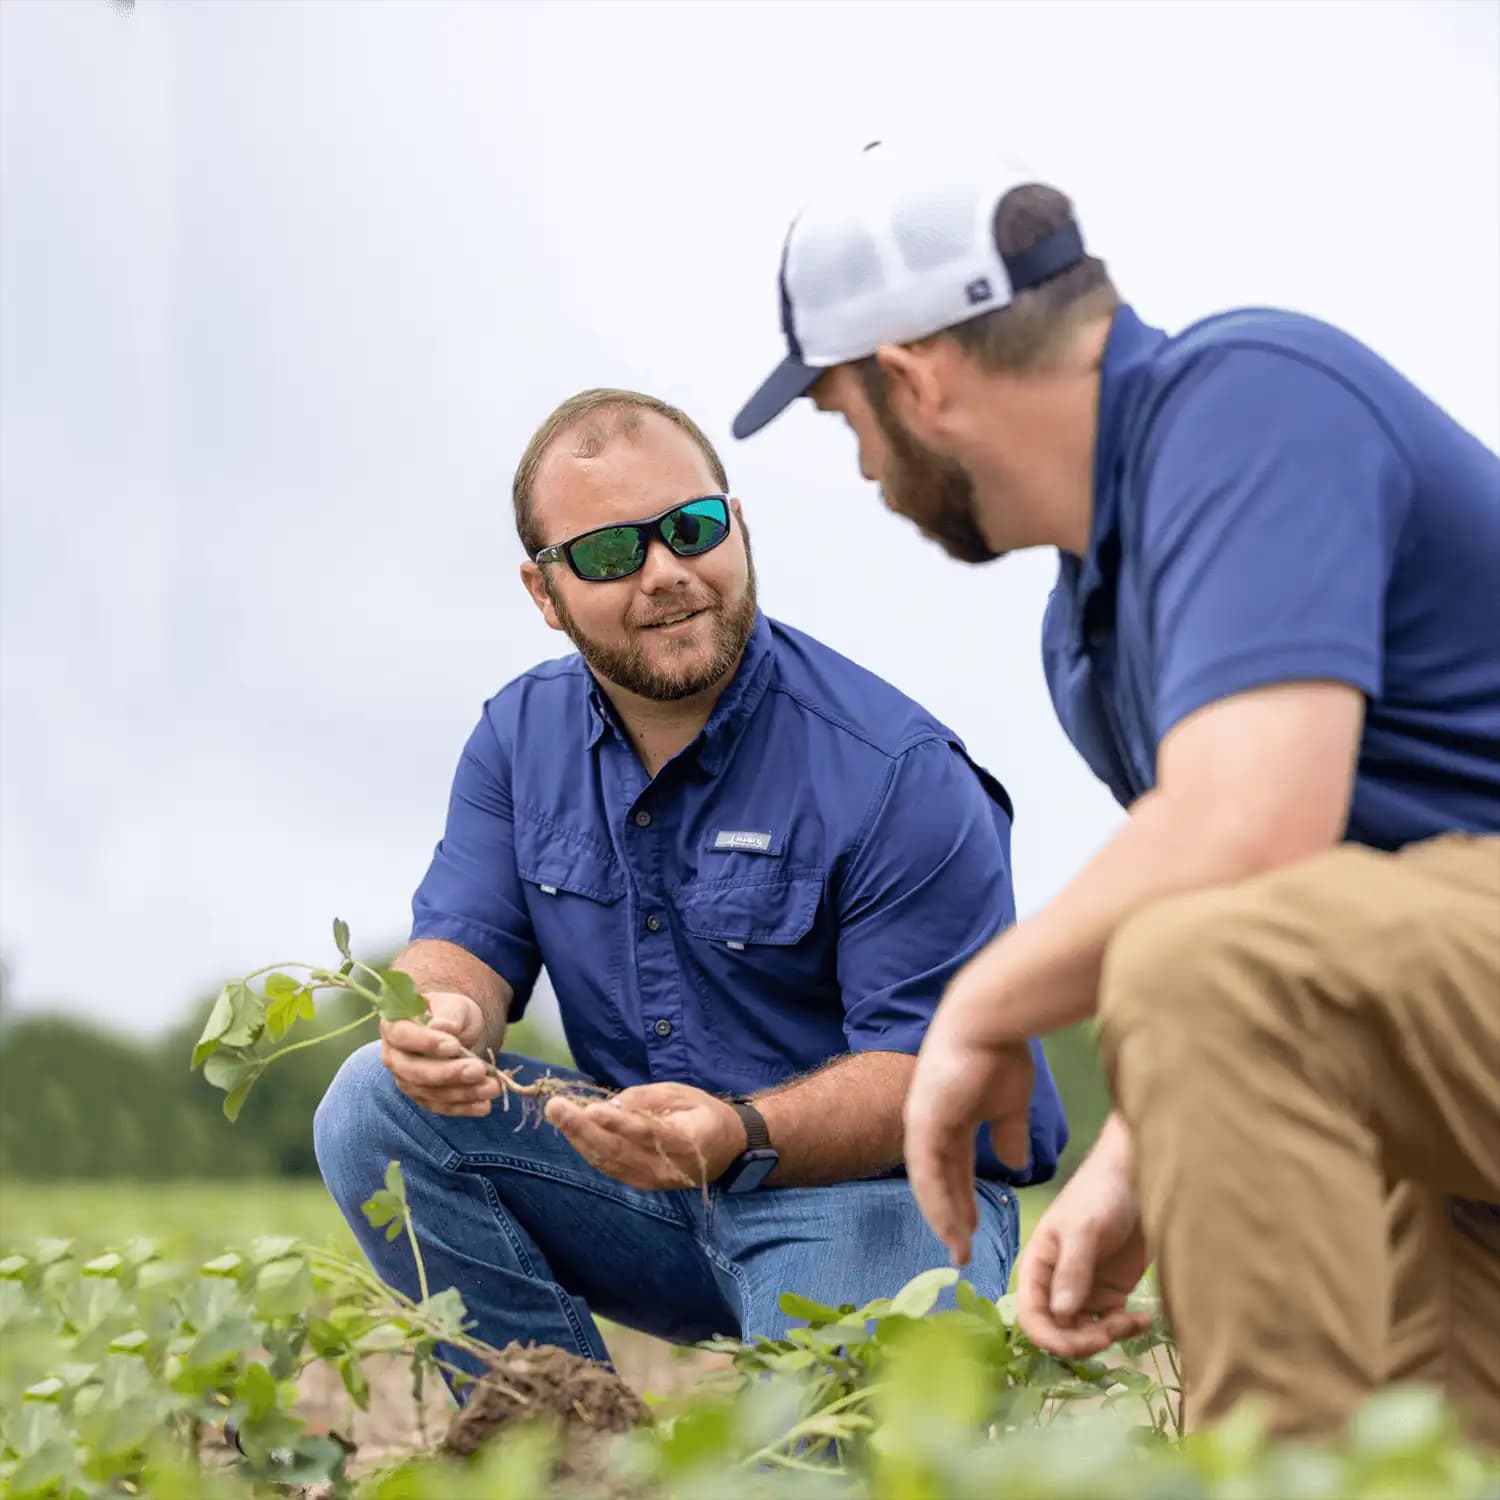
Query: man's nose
[{"x": 664, "y": 572}]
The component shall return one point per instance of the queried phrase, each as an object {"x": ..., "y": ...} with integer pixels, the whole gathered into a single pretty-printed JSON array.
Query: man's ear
[
  {"x": 536, "y": 586},
  {"x": 911, "y": 382},
  {"x": 734, "y": 505}
]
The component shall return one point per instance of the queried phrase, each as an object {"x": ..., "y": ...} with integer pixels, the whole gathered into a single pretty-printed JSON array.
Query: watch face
[{"x": 750, "y": 1171}]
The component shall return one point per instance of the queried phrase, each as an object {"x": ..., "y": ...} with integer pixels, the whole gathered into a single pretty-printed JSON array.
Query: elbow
[{"x": 1236, "y": 841}]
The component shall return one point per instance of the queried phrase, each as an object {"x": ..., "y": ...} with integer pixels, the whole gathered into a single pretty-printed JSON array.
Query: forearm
[
  {"x": 1043, "y": 974},
  {"x": 438, "y": 965},
  {"x": 840, "y": 1123}
]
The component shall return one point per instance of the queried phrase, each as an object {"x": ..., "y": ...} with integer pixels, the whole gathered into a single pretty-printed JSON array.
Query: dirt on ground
[{"x": 591, "y": 1401}]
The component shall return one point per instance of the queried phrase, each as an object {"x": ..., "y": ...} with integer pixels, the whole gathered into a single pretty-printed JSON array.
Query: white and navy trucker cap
[{"x": 901, "y": 246}]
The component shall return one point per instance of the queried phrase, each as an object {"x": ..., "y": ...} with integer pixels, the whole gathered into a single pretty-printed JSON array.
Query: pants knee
[
  {"x": 350, "y": 1124},
  {"x": 1184, "y": 977}
]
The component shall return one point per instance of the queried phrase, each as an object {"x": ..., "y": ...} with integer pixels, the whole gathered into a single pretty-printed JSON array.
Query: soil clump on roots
[{"x": 584, "y": 1402}]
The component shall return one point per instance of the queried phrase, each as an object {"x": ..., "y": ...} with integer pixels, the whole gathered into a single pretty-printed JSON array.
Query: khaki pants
[{"x": 1310, "y": 1066}]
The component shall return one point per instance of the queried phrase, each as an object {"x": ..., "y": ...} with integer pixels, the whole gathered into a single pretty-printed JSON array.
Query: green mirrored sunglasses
[{"x": 690, "y": 530}]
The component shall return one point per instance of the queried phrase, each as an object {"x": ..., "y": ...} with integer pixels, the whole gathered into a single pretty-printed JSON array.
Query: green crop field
[{"x": 195, "y": 1217}]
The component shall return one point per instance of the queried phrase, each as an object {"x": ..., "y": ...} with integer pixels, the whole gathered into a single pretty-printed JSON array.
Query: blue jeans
[{"x": 537, "y": 1241}]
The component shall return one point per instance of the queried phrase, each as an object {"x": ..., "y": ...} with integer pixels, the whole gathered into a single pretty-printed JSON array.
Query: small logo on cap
[{"x": 979, "y": 291}]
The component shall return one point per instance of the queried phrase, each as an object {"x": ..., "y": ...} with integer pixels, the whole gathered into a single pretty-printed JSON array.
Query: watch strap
[{"x": 757, "y": 1133}]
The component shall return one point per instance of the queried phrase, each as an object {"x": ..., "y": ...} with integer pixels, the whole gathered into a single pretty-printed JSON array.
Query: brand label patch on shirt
[{"x": 751, "y": 843}]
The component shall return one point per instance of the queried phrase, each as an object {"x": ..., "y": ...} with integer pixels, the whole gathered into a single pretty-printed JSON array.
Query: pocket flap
[
  {"x": 778, "y": 912},
  {"x": 558, "y": 860}
]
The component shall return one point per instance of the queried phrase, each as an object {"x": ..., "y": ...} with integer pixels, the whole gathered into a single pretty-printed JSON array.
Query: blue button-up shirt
[
  {"x": 801, "y": 882},
  {"x": 1274, "y": 503}
]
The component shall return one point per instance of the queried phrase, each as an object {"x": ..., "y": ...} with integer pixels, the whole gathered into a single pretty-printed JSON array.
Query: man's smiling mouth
[{"x": 677, "y": 619}]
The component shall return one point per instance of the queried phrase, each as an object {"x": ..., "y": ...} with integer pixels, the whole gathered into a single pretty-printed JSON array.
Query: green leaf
[
  {"x": 49, "y": 1252},
  {"x": 228, "y": 1069},
  {"x": 919, "y": 1296},
  {"x": 385, "y": 1208},
  {"x": 235, "y": 1073},
  {"x": 282, "y": 1011},
  {"x": 268, "y": 1247},
  {"x": 13, "y": 1267},
  {"x": 134, "y": 1342},
  {"x": 814, "y": 1314},
  {"x": 341, "y": 936},
  {"x": 352, "y": 1373},
  {"x": 102, "y": 1265},
  {"x": 220, "y": 1019},
  {"x": 399, "y": 999},
  {"x": 223, "y": 1341},
  {"x": 228, "y": 1264},
  {"x": 381, "y": 1339},
  {"x": 249, "y": 1011},
  {"x": 446, "y": 1309},
  {"x": 394, "y": 1182},
  {"x": 44, "y": 1390},
  {"x": 257, "y": 1390},
  {"x": 54, "y": 1461},
  {"x": 278, "y": 985},
  {"x": 234, "y": 1100},
  {"x": 285, "y": 1288}
]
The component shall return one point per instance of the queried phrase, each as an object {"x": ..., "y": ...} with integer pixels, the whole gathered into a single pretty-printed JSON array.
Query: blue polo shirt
[
  {"x": 801, "y": 882},
  {"x": 1274, "y": 503}
]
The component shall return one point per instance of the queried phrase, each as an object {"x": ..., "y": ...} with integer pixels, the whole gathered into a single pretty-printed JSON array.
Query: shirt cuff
[
  {"x": 1310, "y": 662},
  {"x": 514, "y": 962}
]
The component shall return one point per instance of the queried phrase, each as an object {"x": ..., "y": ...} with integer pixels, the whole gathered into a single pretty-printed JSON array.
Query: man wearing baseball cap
[{"x": 1275, "y": 636}]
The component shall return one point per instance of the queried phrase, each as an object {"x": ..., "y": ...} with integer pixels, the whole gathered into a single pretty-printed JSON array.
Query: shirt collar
[
  {"x": 736, "y": 703},
  {"x": 1128, "y": 352},
  {"x": 740, "y": 699}
]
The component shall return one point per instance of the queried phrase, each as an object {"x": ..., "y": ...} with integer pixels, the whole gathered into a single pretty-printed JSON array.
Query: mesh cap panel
[{"x": 935, "y": 226}]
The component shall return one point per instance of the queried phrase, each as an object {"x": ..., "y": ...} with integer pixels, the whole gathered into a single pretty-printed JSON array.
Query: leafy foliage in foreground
[{"x": 119, "y": 1371}]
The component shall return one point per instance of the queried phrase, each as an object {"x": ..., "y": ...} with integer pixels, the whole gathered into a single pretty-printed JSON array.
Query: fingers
[
  {"x": 1054, "y": 1286},
  {"x": 940, "y": 1165},
  {"x": 642, "y": 1151},
  {"x": 436, "y": 1040},
  {"x": 1034, "y": 1284},
  {"x": 1077, "y": 1259},
  {"x": 445, "y": 1084}
]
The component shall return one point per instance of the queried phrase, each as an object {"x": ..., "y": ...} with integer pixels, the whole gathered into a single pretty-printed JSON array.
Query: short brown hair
[
  {"x": 1032, "y": 330},
  {"x": 594, "y": 417}
]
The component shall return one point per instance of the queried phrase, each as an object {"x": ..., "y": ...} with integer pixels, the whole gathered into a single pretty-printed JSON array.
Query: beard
[
  {"x": 934, "y": 492},
  {"x": 631, "y": 668}
]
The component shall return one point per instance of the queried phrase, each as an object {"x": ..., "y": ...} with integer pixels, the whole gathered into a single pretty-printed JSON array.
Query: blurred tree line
[{"x": 77, "y": 1100}]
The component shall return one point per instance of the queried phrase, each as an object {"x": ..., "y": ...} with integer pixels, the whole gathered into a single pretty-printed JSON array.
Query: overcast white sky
[{"x": 285, "y": 287}]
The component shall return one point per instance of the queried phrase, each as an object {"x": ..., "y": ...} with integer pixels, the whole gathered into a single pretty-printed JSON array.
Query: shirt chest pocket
[
  {"x": 573, "y": 892},
  {"x": 556, "y": 862},
  {"x": 761, "y": 961},
  {"x": 757, "y": 929}
]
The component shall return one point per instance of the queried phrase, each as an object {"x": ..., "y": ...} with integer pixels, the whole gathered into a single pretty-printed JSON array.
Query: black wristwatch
[{"x": 759, "y": 1159}]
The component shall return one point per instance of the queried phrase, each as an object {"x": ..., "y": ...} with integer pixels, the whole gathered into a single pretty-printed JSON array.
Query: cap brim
[{"x": 790, "y": 379}]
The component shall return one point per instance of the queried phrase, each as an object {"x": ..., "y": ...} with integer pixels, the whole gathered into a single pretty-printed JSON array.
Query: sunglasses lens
[
  {"x": 696, "y": 526},
  {"x": 609, "y": 554}
]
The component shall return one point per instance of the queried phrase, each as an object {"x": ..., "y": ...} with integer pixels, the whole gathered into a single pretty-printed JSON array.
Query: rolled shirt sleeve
[
  {"x": 472, "y": 894},
  {"x": 1273, "y": 501}
]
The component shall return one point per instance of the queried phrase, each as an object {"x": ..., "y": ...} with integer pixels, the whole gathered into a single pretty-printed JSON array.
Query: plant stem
[
  {"x": 313, "y": 1041},
  {"x": 416, "y": 1249},
  {"x": 770, "y": 1450}
]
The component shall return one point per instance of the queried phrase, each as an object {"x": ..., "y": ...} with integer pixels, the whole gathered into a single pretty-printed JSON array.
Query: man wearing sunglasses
[
  {"x": 749, "y": 867},
  {"x": 1276, "y": 637}
]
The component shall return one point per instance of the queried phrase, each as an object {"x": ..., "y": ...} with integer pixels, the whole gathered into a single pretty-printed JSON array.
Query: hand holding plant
[{"x": 434, "y": 1036}]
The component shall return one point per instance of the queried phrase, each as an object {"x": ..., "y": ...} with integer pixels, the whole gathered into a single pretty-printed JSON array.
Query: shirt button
[
  {"x": 643, "y": 819},
  {"x": 662, "y": 1028},
  {"x": 653, "y": 924}
]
